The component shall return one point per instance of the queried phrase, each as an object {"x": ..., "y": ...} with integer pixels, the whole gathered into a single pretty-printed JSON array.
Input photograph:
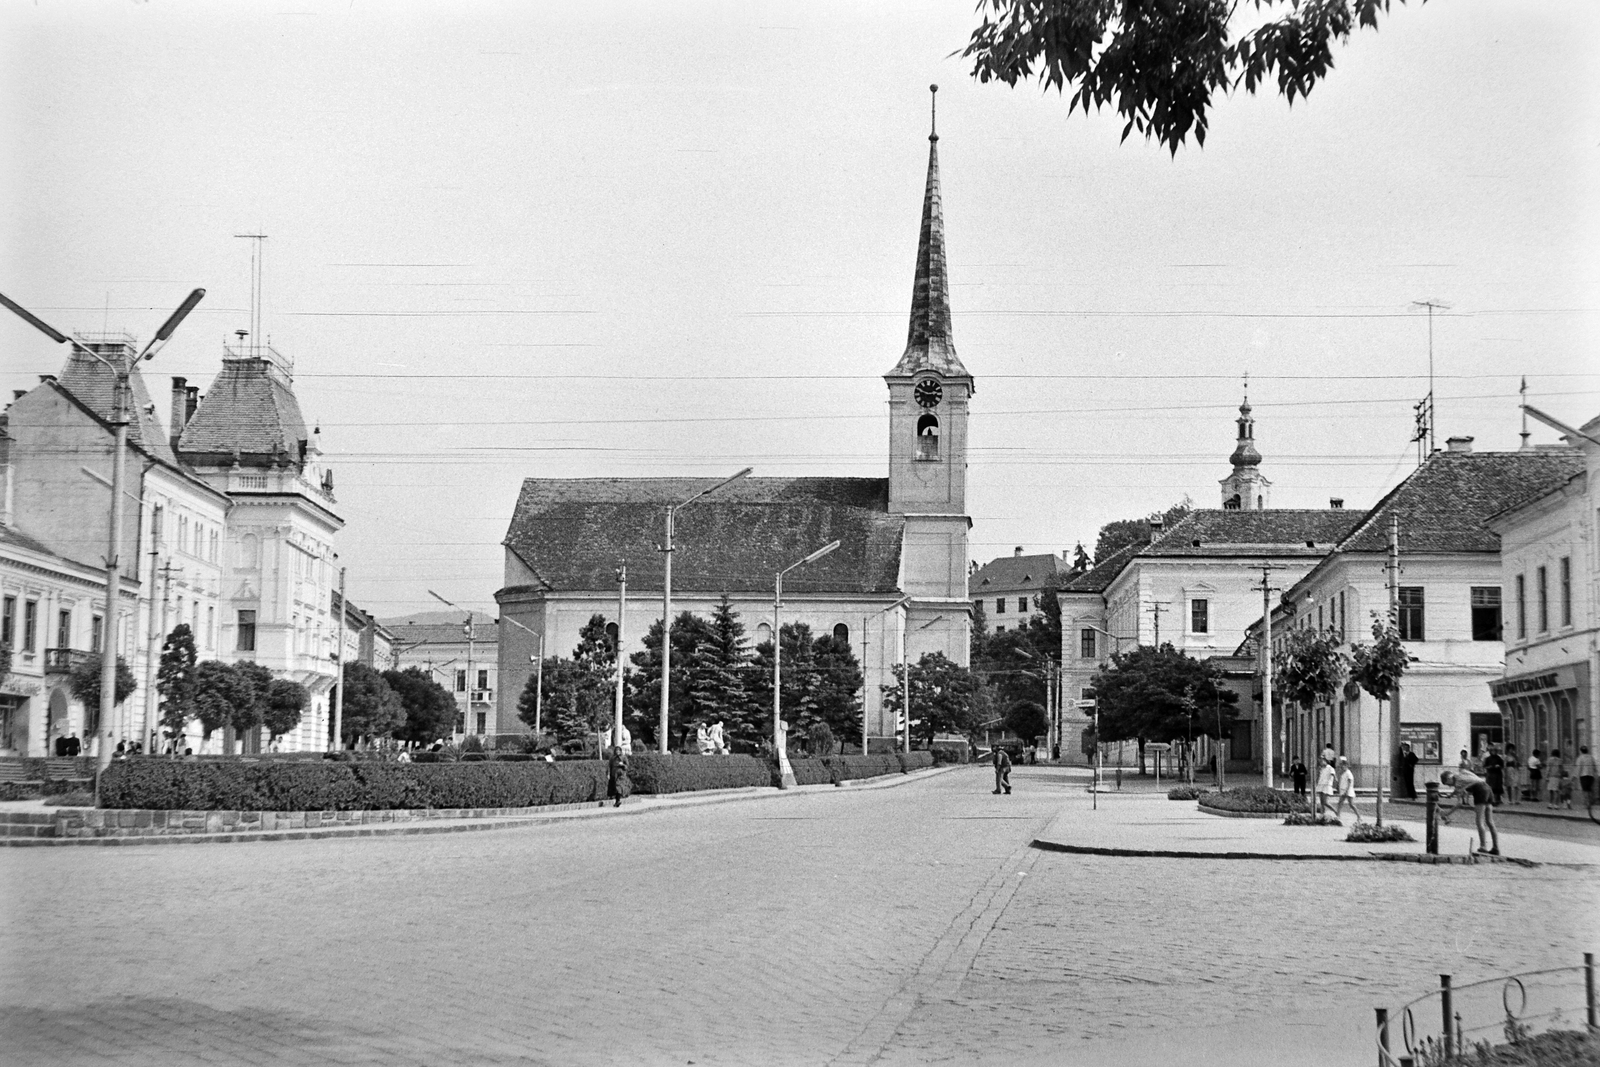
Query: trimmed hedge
[
  {"x": 339, "y": 786},
  {"x": 1185, "y": 792},
  {"x": 916, "y": 761},
  {"x": 652, "y": 772},
  {"x": 1256, "y": 798}
]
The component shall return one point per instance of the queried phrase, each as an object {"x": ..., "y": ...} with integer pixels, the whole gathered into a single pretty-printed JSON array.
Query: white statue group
[{"x": 710, "y": 739}]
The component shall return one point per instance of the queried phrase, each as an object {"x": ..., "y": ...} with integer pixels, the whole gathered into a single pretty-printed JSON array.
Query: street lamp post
[
  {"x": 785, "y": 772},
  {"x": 1116, "y": 650},
  {"x": 905, "y": 681},
  {"x": 119, "y": 421},
  {"x": 538, "y": 681},
  {"x": 471, "y": 633},
  {"x": 864, "y": 652},
  {"x": 666, "y": 607}
]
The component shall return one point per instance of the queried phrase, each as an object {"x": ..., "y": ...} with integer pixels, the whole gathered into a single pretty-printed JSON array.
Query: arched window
[
  {"x": 841, "y": 632},
  {"x": 928, "y": 437},
  {"x": 763, "y": 633}
]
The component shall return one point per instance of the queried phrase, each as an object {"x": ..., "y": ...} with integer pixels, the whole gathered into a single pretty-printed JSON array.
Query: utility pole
[
  {"x": 1269, "y": 740},
  {"x": 338, "y": 675},
  {"x": 1155, "y": 609},
  {"x": 622, "y": 615},
  {"x": 1393, "y": 567},
  {"x": 158, "y": 622},
  {"x": 155, "y": 626}
]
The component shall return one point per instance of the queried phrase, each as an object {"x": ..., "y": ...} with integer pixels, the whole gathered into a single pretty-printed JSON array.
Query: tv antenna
[
  {"x": 1431, "y": 305},
  {"x": 257, "y": 267}
]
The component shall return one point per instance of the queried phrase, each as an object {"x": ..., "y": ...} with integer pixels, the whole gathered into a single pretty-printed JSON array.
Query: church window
[
  {"x": 763, "y": 633},
  {"x": 1231, "y": 504},
  {"x": 928, "y": 437},
  {"x": 841, "y": 632},
  {"x": 611, "y": 633}
]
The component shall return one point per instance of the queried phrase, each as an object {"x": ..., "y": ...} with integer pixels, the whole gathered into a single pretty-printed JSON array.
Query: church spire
[
  {"x": 1246, "y": 489},
  {"x": 930, "y": 344}
]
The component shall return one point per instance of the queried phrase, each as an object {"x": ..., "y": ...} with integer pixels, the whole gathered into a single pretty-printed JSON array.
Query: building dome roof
[{"x": 1245, "y": 455}]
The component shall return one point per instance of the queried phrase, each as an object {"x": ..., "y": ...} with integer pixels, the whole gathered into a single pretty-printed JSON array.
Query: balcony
[
  {"x": 63, "y": 660},
  {"x": 483, "y": 696}
]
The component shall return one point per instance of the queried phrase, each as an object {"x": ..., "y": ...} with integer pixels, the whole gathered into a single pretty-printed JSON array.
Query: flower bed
[
  {"x": 1367, "y": 832},
  {"x": 1185, "y": 792},
  {"x": 1253, "y": 800},
  {"x": 1305, "y": 818}
]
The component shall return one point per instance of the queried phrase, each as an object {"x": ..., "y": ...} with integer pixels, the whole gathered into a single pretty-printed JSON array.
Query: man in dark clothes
[
  {"x": 1406, "y": 766},
  {"x": 1002, "y": 771},
  {"x": 61, "y": 746},
  {"x": 1494, "y": 770},
  {"x": 1297, "y": 771},
  {"x": 74, "y": 746},
  {"x": 617, "y": 784}
]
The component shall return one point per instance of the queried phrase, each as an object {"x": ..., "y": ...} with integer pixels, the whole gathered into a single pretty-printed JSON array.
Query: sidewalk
[
  {"x": 1148, "y": 824},
  {"x": 639, "y": 804}
]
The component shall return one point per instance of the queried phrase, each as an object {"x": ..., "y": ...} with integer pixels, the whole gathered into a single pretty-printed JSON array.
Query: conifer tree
[{"x": 175, "y": 681}]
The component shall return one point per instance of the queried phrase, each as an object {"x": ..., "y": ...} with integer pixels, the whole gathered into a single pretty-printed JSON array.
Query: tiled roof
[
  {"x": 94, "y": 385},
  {"x": 250, "y": 409},
  {"x": 1444, "y": 504},
  {"x": 446, "y": 634},
  {"x": 930, "y": 343},
  {"x": 573, "y": 532},
  {"x": 10, "y": 535},
  {"x": 1016, "y": 572},
  {"x": 1099, "y": 577},
  {"x": 1278, "y": 532}
]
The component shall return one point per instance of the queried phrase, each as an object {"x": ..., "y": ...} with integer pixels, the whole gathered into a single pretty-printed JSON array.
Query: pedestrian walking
[
  {"x": 617, "y": 784},
  {"x": 1002, "y": 771},
  {"x": 1585, "y": 770},
  {"x": 1535, "y": 775},
  {"x": 1324, "y": 788},
  {"x": 1328, "y": 754},
  {"x": 1494, "y": 766},
  {"x": 1345, "y": 789},
  {"x": 1467, "y": 784},
  {"x": 1298, "y": 772},
  {"x": 1554, "y": 772}
]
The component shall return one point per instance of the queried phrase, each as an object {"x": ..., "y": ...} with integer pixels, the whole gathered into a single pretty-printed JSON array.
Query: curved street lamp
[{"x": 785, "y": 772}]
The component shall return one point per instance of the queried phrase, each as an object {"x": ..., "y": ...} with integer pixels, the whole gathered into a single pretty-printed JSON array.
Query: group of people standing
[
  {"x": 1335, "y": 786},
  {"x": 1549, "y": 776}
]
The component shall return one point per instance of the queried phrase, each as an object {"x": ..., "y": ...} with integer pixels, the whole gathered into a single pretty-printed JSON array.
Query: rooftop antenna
[
  {"x": 1430, "y": 305},
  {"x": 1524, "y": 392},
  {"x": 257, "y": 266}
]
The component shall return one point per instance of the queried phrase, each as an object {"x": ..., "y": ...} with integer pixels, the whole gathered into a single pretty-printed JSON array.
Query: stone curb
[
  {"x": 666, "y": 802},
  {"x": 1160, "y": 853}
]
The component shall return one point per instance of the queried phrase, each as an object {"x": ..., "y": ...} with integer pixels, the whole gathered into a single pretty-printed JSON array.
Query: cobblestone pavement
[{"x": 899, "y": 926}]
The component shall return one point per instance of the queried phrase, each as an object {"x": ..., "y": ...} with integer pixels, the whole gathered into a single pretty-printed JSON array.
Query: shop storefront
[
  {"x": 16, "y": 703},
  {"x": 1547, "y": 709}
]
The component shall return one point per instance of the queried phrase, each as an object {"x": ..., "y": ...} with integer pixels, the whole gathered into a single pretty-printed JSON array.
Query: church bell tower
[{"x": 929, "y": 394}]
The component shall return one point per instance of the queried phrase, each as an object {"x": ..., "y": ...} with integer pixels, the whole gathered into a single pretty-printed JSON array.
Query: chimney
[
  {"x": 1336, "y": 503},
  {"x": 191, "y": 400},
  {"x": 1017, "y": 552},
  {"x": 180, "y": 408},
  {"x": 1157, "y": 524},
  {"x": 1459, "y": 444},
  {"x": 18, "y": 394}
]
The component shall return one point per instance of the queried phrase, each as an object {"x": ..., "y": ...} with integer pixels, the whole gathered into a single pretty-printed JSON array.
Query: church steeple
[
  {"x": 930, "y": 343},
  {"x": 1245, "y": 489}
]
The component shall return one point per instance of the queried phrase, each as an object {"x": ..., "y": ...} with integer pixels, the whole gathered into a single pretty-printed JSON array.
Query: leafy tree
[
  {"x": 84, "y": 681},
  {"x": 1148, "y": 694},
  {"x": 286, "y": 703},
  {"x": 429, "y": 707},
  {"x": 371, "y": 708},
  {"x": 819, "y": 740},
  {"x": 577, "y": 703},
  {"x": 220, "y": 692},
  {"x": 1311, "y": 669},
  {"x": 1161, "y": 61},
  {"x": 944, "y": 698},
  {"x": 1027, "y": 720},
  {"x": 175, "y": 681},
  {"x": 1118, "y": 535},
  {"x": 821, "y": 683},
  {"x": 1378, "y": 667},
  {"x": 250, "y": 714}
]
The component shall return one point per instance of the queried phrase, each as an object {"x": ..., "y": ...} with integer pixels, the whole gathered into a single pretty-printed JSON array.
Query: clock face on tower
[{"x": 929, "y": 393}]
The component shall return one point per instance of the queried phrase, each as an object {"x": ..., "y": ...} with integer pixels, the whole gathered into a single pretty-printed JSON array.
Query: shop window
[
  {"x": 1411, "y": 613},
  {"x": 247, "y": 632},
  {"x": 1486, "y": 613},
  {"x": 928, "y": 437},
  {"x": 1088, "y": 644}
]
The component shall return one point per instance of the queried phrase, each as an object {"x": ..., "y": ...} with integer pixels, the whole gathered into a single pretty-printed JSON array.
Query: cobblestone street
[{"x": 891, "y": 926}]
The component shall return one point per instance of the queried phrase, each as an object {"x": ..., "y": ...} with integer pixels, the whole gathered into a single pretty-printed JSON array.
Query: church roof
[
  {"x": 1444, "y": 505},
  {"x": 1275, "y": 531},
  {"x": 930, "y": 343},
  {"x": 572, "y": 533},
  {"x": 93, "y": 384},
  {"x": 250, "y": 409}
]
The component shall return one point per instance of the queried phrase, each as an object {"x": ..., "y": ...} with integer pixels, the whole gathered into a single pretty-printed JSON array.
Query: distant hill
[{"x": 430, "y": 618}]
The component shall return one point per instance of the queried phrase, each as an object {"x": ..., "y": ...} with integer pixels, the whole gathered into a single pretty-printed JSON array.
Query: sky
[{"x": 509, "y": 240}]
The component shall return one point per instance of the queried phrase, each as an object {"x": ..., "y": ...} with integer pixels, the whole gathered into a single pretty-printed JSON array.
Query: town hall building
[{"x": 895, "y": 588}]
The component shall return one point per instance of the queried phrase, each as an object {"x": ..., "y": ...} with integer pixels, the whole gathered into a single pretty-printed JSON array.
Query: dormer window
[{"x": 928, "y": 438}]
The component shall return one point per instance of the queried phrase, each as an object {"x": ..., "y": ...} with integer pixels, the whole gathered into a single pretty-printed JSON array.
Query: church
[{"x": 895, "y": 588}]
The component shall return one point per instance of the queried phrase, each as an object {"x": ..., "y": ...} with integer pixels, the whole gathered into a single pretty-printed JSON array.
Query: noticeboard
[{"x": 1426, "y": 740}]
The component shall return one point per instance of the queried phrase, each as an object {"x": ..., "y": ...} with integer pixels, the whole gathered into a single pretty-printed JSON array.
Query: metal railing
[
  {"x": 63, "y": 660},
  {"x": 1508, "y": 1010}
]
